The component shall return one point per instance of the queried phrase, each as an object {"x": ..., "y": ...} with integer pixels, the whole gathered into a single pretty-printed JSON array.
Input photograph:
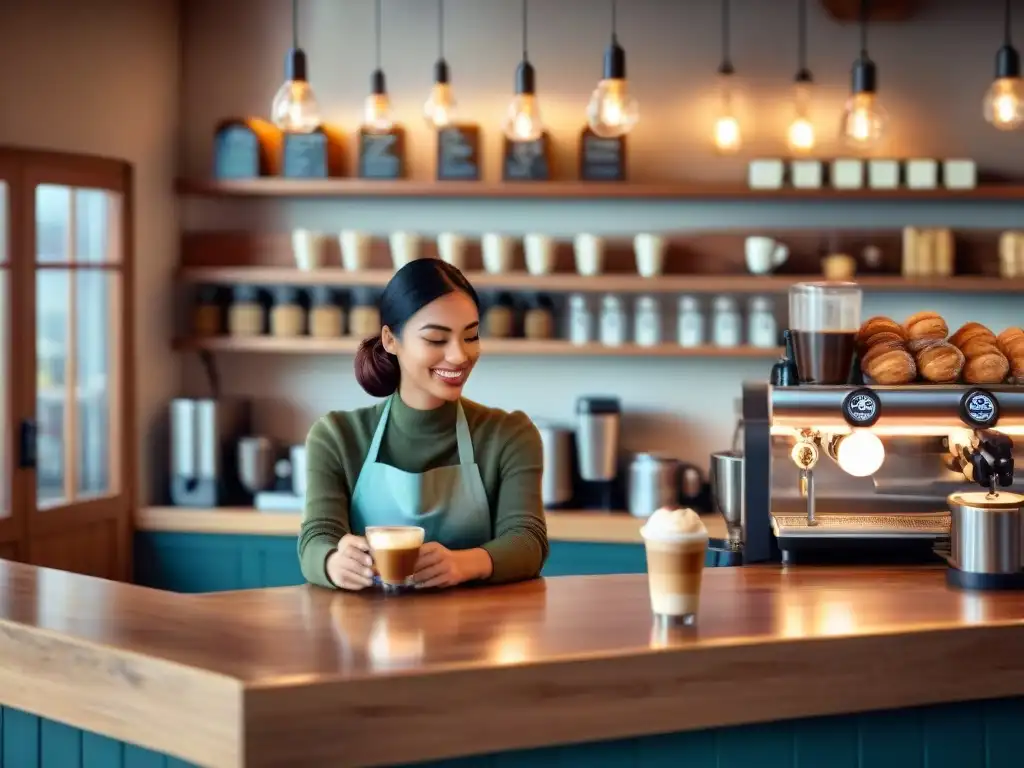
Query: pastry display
[
  {"x": 922, "y": 349},
  {"x": 926, "y": 325},
  {"x": 892, "y": 366},
  {"x": 940, "y": 363}
]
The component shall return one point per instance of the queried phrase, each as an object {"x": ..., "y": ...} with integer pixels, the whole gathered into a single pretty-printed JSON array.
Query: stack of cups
[{"x": 676, "y": 542}]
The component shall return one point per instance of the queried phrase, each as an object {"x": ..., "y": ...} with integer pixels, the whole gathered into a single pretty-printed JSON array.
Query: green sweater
[{"x": 508, "y": 452}]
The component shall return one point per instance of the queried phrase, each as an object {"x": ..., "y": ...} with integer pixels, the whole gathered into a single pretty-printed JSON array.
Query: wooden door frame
[{"x": 74, "y": 170}]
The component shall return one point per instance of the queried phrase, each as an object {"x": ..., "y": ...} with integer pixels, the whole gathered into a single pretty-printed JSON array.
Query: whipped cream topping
[{"x": 679, "y": 523}]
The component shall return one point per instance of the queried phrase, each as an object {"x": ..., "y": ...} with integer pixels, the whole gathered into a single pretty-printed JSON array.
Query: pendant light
[
  {"x": 295, "y": 109},
  {"x": 439, "y": 109},
  {"x": 377, "y": 107},
  {"x": 1004, "y": 101},
  {"x": 727, "y": 128},
  {"x": 522, "y": 121},
  {"x": 864, "y": 120},
  {"x": 800, "y": 137},
  {"x": 612, "y": 111}
]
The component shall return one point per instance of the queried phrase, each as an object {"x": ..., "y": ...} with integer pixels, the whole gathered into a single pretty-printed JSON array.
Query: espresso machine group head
[{"x": 864, "y": 473}]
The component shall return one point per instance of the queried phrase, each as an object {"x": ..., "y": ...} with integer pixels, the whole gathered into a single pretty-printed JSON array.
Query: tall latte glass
[
  {"x": 395, "y": 549},
  {"x": 676, "y": 543}
]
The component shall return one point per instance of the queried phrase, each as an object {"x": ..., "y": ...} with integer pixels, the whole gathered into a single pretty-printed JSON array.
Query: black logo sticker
[
  {"x": 979, "y": 408},
  {"x": 861, "y": 408}
]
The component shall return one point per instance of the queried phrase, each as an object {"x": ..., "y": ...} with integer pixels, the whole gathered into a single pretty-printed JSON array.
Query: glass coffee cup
[
  {"x": 823, "y": 320},
  {"x": 395, "y": 550}
]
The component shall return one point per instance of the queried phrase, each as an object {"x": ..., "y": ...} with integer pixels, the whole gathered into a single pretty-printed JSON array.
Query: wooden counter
[
  {"x": 304, "y": 676},
  {"x": 599, "y": 527}
]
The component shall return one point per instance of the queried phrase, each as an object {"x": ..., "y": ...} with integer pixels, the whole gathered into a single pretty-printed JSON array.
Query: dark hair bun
[{"x": 376, "y": 369}]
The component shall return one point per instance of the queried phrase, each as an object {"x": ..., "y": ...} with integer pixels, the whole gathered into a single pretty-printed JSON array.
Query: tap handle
[{"x": 992, "y": 460}]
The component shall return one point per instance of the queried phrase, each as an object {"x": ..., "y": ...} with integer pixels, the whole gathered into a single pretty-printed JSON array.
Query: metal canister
[
  {"x": 653, "y": 483},
  {"x": 985, "y": 532}
]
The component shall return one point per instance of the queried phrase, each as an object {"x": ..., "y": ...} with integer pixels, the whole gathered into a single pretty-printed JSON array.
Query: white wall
[
  {"x": 101, "y": 77},
  {"x": 933, "y": 74}
]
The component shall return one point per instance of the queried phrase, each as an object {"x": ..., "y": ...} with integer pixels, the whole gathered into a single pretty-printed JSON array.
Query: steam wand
[{"x": 805, "y": 456}]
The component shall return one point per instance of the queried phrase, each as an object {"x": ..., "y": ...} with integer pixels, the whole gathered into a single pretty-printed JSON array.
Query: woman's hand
[
  {"x": 439, "y": 566},
  {"x": 350, "y": 565}
]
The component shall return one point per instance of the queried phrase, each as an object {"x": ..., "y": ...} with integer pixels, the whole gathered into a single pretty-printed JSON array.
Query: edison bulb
[
  {"x": 1004, "y": 103},
  {"x": 800, "y": 137},
  {"x": 377, "y": 113},
  {"x": 439, "y": 109},
  {"x": 860, "y": 453},
  {"x": 612, "y": 111},
  {"x": 522, "y": 121},
  {"x": 727, "y": 135},
  {"x": 295, "y": 109},
  {"x": 864, "y": 120}
]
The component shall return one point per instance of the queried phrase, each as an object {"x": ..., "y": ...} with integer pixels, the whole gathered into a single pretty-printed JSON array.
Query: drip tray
[{"x": 922, "y": 525}]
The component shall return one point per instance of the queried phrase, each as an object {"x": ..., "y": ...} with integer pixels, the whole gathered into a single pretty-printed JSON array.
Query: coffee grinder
[{"x": 597, "y": 451}]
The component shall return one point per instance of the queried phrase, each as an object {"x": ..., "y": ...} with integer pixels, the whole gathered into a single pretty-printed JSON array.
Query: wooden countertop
[
  {"x": 582, "y": 526},
  {"x": 305, "y": 676}
]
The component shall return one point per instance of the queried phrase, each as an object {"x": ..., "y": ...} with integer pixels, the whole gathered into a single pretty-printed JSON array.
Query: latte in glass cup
[
  {"x": 395, "y": 549},
  {"x": 676, "y": 544}
]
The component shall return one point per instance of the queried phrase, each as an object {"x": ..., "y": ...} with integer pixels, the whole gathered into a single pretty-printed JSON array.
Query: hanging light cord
[
  {"x": 1007, "y": 25},
  {"x": 379, "y": 24},
  {"x": 295, "y": 23},
  {"x": 864, "y": 29},
  {"x": 526, "y": 17},
  {"x": 801, "y": 22},
  {"x": 615, "y": 37},
  {"x": 726, "y": 66},
  {"x": 440, "y": 28}
]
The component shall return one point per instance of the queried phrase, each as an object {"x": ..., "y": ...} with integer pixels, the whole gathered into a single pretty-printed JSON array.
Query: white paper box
[
  {"x": 960, "y": 174},
  {"x": 883, "y": 174},
  {"x": 922, "y": 173},
  {"x": 847, "y": 173},
  {"x": 807, "y": 174},
  {"x": 766, "y": 174}
]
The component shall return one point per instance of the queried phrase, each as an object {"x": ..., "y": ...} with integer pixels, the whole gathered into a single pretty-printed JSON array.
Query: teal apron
[{"x": 449, "y": 503}]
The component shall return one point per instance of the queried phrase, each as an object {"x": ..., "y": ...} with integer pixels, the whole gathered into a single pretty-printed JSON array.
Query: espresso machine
[{"x": 840, "y": 469}]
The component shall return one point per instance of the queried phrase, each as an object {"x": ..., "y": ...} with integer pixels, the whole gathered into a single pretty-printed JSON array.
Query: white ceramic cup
[
  {"x": 764, "y": 254},
  {"x": 405, "y": 247},
  {"x": 451, "y": 247},
  {"x": 650, "y": 254},
  {"x": 308, "y": 249},
  {"x": 497, "y": 253},
  {"x": 589, "y": 250},
  {"x": 355, "y": 249},
  {"x": 540, "y": 254}
]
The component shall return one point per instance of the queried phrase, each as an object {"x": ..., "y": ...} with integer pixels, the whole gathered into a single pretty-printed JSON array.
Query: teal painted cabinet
[
  {"x": 201, "y": 562},
  {"x": 974, "y": 735}
]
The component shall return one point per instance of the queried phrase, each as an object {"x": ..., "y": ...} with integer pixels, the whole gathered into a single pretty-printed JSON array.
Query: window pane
[
  {"x": 96, "y": 301},
  {"x": 97, "y": 226},
  {"x": 52, "y": 301},
  {"x": 53, "y": 215},
  {"x": 6, "y": 459}
]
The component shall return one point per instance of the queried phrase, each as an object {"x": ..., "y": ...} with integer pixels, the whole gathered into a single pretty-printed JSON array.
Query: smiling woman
[{"x": 467, "y": 474}]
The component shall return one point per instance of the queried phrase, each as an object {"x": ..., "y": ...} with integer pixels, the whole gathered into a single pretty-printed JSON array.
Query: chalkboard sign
[
  {"x": 602, "y": 159},
  {"x": 458, "y": 153},
  {"x": 527, "y": 160},
  {"x": 245, "y": 149},
  {"x": 315, "y": 155},
  {"x": 382, "y": 155}
]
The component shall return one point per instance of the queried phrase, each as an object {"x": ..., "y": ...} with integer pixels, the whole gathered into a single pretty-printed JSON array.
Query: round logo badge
[
  {"x": 979, "y": 408},
  {"x": 861, "y": 408}
]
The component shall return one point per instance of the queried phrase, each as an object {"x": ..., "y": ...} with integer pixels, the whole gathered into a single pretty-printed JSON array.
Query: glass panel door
[{"x": 8, "y": 457}]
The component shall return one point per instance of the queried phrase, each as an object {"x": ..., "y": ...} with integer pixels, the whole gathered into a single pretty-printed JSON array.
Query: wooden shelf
[
  {"x": 500, "y": 347},
  {"x": 610, "y": 283},
  {"x": 564, "y": 525},
  {"x": 668, "y": 190}
]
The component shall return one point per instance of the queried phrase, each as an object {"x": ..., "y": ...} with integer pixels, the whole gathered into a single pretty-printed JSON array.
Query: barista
[{"x": 468, "y": 474}]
